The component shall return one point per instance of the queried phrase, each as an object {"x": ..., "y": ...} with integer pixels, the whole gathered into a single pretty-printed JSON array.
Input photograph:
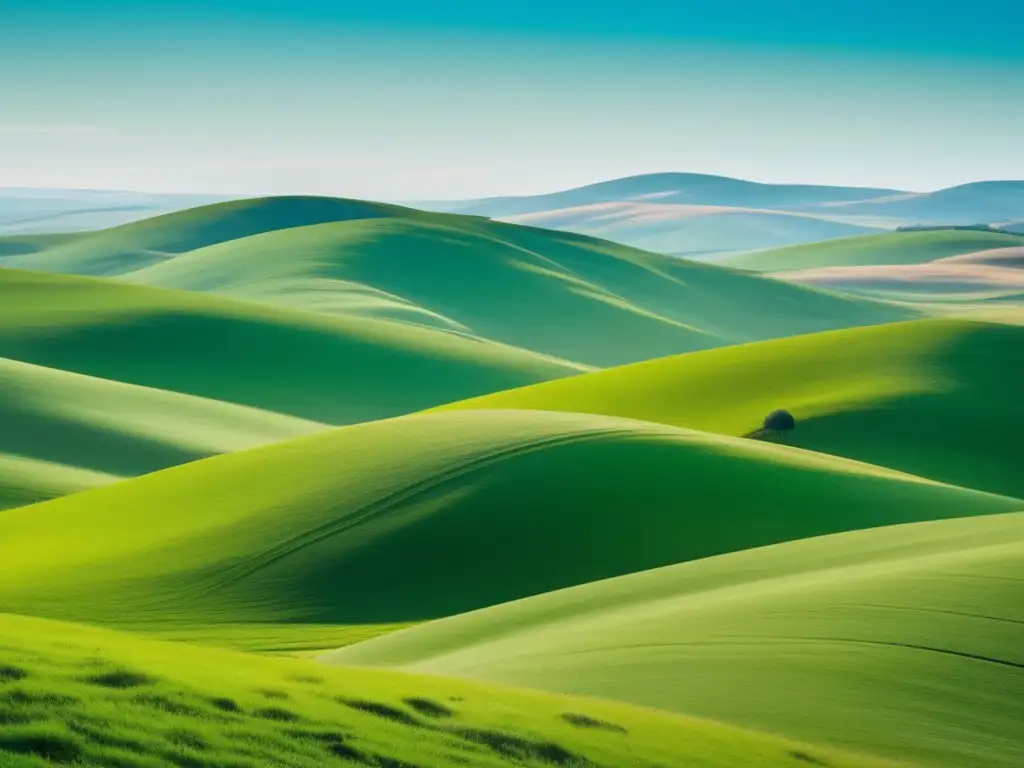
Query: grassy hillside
[
  {"x": 133, "y": 245},
  {"x": 938, "y": 398},
  {"x": 337, "y": 370},
  {"x": 559, "y": 294},
  {"x": 64, "y": 431},
  {"x": 430, "y": 515},
  {"x": 901, "y": 641},
  {"x": 890, "y": 248},
  {"x": 72, "y": 695},
  {"x": 678, "y": 229}
]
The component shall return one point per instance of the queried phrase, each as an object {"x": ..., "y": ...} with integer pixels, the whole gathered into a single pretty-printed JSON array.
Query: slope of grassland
[
  {"x": 426, "y": 516},
  {"x": 938, "y": 398},
  {"x": 890, "y": 248},
  {"x": 152, "y": 240},
  {"x": 332, "y": 369},
  {"x": 565, "y": 295},
  {"x": 903, "y": 641},
  {"x": 76, "y": 695},
  {"x": 65, "y": 431}
]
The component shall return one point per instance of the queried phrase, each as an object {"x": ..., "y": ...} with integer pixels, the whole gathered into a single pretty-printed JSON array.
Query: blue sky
[{"x": 407, "y": 100}]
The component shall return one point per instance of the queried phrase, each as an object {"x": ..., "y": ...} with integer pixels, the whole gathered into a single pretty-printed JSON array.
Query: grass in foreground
[{"x": 76, "y": 696}]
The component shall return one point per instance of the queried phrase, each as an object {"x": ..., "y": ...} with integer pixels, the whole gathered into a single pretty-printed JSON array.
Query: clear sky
[{"x": 416, "y": 99}]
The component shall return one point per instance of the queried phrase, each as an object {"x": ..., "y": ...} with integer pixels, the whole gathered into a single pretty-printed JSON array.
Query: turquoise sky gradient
[{"x": 446, "y": 99}]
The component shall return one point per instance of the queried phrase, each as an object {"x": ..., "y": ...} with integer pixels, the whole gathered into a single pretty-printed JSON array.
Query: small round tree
[{"x": 779, "y": 421}]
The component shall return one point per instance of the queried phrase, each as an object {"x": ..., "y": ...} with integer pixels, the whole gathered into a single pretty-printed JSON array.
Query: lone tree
[{"x": 779, "y": 421}]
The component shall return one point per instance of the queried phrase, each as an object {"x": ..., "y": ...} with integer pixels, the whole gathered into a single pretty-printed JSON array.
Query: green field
[
  {"x": 358, "y": 261},
  {"x": 333, "y": 369},
  {"x": 244, "y": 444},
  {"x": 900, "y": 641},
  {"x": 865, "y": 250},
  {"x": 467, "y": 509},
  {"x": 935, "y": 397}
]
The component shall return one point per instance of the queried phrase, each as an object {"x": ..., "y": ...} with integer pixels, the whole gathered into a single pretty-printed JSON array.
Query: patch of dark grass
[
  {"x": 21, "y": 697},
  {"x": 104, "y": 737},
  {"x": 120, "y": 678},
  {"x": 14, "y": 717},
  {"x": 377, "y": 709},
  {"x": 429, "y": 708},
  {"x": 518, "y": 748},
  {"x": 272, "y": 694},
  {"x": 182, "y": 738},
  {"x": 11, "y": 674},
  {"x": 390, "y": 762},
  {"x": 308, "y": 734},
  {"x": 308, "y": 679},
  {"x": 167, "y": 704},
  {"x": 586, "y": 721},
  {"x": 49, "y": 745},
  {"x": 348, "y": 752},
  {"x": 805, "y": 757},
  {"x": 225, "y": 704},
  {"x": 277, "y": 714}
]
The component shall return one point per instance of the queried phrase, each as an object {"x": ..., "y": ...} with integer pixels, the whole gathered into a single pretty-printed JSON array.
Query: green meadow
[{"x": 306, "y": 481}]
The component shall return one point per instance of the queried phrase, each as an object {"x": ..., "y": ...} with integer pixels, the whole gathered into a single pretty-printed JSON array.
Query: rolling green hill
[
  {"x": 902, "y": 641},
  {"x": 429, "y": 515},
  {"x": 76, "y": 695},
  {"x": 938, "y": 398},
  {"x": 332, "y": 369},
  {"x": 64, "y": 432},
  {"x": 891, "y": 248},
  {"x": 131, "y": 246},
  {"x": 570, "y": 296}
]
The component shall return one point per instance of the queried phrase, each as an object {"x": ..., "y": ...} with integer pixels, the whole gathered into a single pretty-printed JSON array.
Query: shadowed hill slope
[
  {"x": 425, "y": 516},
  {"x": 559, "y": 294},
  {"x": 902, "y": 641},
  {"x": 64, "y": 431},
  {"x": 332, "y": 369},
  {"x": 937, "y": 398},
  {"x": 913, "y": 247}
]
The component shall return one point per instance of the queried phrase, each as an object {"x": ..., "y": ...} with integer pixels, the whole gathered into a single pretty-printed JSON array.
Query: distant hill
[
  {"x": 662, "y": 211},
  {"x": 982, "y": 201},
  {"x": 701, "y": 230},
  {"x": 361, "y": 260},
  {"x": 679, "y": 188},
  {"x": 911, "y": 247},
  {"x": 34, "y": 210},
  {"x": 130, "y": 246}
]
